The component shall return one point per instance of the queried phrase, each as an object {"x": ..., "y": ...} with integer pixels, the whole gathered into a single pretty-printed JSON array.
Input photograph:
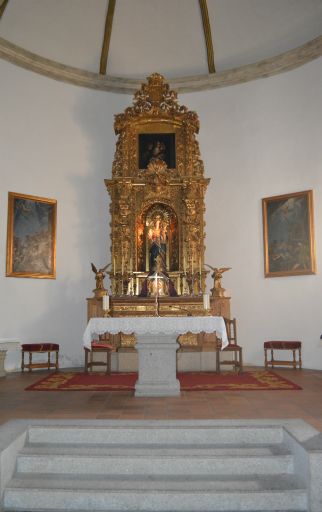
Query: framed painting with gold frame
[
  {"x": 289, "y": 247},
  {"x": 31, "y": 236}
]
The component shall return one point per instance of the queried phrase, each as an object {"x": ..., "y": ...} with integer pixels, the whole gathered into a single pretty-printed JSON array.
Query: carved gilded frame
[
  {"x": 31, "y": 236},
  {"x": 133, "y": 190}
]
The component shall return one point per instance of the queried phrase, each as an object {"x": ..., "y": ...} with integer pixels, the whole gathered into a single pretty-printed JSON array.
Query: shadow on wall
[
  {"x": 56, "y": 310},
  {"x": 61, "y": 318},
  {"x": 94, "y": 114}
]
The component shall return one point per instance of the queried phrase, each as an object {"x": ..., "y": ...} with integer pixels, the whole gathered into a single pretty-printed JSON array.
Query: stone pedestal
[
  {"x": 157, "y": 366},
  {"x": 2, "y": 359},
  {"x": 6, "y": 344}
]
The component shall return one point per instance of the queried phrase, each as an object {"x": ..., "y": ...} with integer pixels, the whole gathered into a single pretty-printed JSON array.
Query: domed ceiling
[{"x": 195, "y": 44}]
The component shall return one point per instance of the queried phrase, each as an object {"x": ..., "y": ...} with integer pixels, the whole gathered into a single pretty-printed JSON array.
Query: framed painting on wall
[
  {"x": 289, "y": 247},
  {"x": 31, "y": 236}
]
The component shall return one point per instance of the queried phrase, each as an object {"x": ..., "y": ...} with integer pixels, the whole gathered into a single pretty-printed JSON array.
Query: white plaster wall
[
  {"x": 56, "y": 141},
  {"x": 258, "y": 139}
]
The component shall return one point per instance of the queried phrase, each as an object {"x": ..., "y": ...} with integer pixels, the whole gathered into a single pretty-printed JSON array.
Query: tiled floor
[{"x": 306, "y": 403}]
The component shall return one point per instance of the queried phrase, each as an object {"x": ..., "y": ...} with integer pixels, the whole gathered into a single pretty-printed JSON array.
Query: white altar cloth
[
  {"x": 156, "y": 325},
  {"x": 156, "y": 345}
]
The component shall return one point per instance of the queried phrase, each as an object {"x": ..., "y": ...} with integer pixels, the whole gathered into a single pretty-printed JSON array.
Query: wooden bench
[
  {"x": 294, "y": 346},
  {"x": 38, "y": 348}
]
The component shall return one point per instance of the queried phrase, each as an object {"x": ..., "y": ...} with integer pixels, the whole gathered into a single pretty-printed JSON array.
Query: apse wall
[{"x": 257, "y": 139}]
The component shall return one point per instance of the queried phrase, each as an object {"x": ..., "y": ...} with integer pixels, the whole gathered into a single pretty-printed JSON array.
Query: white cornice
[{"x": 262, "y": 69}]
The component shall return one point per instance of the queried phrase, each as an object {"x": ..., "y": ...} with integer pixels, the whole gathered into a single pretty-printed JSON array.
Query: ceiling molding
[{"x": 262, "y": 69}]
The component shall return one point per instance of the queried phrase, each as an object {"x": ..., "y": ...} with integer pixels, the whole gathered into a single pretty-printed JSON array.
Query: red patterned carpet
[{"x": 189, "y": 381}]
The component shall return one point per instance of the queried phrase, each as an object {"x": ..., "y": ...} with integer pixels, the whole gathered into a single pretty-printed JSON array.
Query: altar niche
[
  {"x": 157, "y": 235},
  {"x": 157, "y": 207}
]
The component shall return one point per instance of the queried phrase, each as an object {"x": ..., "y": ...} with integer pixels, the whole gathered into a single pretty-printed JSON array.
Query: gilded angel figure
[
  {"x": 99, "y": 276},
  {"x": 218, "y": 290}
]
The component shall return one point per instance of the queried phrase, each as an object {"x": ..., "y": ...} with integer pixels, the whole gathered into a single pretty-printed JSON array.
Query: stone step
[
  {"x": 174, "y": 510},
  {"x": 156, "y": 435},
  {"x": 158, "y": 467},
  {"x": 53, "y": 492},
  {"x": 160, "y": 482},
  {"x": 157, "y": 449},
  {"x": 151, "y": 464}
]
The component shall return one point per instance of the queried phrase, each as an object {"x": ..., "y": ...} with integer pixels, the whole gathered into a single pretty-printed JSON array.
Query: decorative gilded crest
[
  {"x": 157, "y": 175},
  {"x": 155, "y": 98}
]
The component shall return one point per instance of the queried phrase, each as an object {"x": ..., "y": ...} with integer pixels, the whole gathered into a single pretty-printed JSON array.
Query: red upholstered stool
[
  {"x": 39, "y": 348},
  {"x": 102, "y": 347},
  {"x": 283, "y": 345}
]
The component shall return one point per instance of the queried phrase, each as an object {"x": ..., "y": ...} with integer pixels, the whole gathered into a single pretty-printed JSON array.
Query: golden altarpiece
[{"x": 157, "y": 210}]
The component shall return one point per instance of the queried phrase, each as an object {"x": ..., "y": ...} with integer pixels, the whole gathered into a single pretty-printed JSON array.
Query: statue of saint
[{"x": 158, "y": 238}]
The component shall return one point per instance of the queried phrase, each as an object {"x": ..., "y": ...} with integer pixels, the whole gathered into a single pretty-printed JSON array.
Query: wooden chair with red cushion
[
  {"x": 237, "y": 360},
  {"x": 99, "y": 346}
]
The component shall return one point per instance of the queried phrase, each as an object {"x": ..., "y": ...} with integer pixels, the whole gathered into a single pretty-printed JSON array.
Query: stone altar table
[{"x": 156, "y": 345}]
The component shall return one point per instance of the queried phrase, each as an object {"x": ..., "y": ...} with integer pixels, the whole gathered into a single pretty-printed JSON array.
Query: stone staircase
[{"x": 157, "y": 467}]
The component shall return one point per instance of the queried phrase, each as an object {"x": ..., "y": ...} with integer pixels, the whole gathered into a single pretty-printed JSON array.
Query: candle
[
  {"x": 131, "y": 266},
  {"x": 206, "y": 301},
  {"x": 114, "y": 266},
  {"x": 200, "y": 266},
  {"x": 106, "y": 302},
  {"x": 184, "y": 264},
  {"x": 122, "y": 265}
]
